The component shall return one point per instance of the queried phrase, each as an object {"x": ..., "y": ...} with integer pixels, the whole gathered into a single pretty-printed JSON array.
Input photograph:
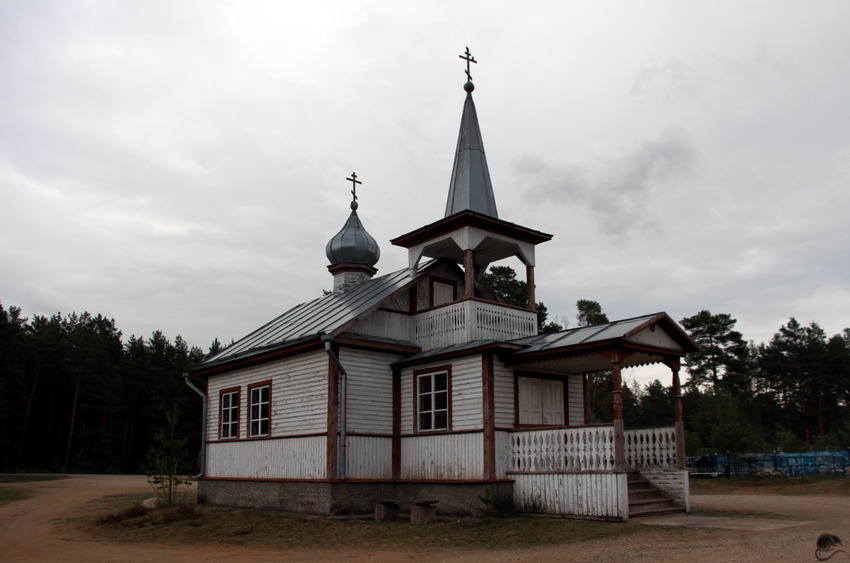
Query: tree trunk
[
  {"x": 27, "y": 416},
  {"x": 71, "y": 429}
]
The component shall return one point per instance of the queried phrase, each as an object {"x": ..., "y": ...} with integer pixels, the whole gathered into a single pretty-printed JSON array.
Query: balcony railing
[{"x": 468, "y": 320}]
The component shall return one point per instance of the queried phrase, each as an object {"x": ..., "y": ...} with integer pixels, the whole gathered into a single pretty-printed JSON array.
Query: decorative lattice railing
[
  {"x": 650, "y": 447},
  {"x": 587, "y": 448}
]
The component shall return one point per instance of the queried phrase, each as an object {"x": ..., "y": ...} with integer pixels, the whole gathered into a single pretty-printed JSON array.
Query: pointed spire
[{"x": 470, "y": 187}]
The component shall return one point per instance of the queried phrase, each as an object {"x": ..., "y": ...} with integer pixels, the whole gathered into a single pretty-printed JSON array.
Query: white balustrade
[
  {"x": 650, "y": 448},
  {"x": 468, "y": 320},
  {"x": 587, "y": 448}
]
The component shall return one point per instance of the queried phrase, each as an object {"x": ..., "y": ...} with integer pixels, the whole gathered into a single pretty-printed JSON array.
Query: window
[
  {"x": 259, "y": 409},
  {"x": 432, "y": 401},
  {"x": 229, "y": 404}
]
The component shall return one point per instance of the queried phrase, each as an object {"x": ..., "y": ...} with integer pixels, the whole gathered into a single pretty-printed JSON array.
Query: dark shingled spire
[{"x": 470, "y": 187}]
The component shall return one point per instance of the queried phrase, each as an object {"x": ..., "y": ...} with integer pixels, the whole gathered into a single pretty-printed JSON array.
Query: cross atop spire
[
  {"x": 354, "y": 181},
  {"x": 467, "y": 56}
]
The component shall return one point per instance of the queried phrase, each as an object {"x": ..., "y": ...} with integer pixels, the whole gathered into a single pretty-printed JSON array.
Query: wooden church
[{"x": 421, "y": 384}]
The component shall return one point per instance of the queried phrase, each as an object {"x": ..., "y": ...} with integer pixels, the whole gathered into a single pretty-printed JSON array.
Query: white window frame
[
  {"x": 433, "y": 405},
  {"x": 229, "y": 414},
  {"x": 259, "y": 410}
]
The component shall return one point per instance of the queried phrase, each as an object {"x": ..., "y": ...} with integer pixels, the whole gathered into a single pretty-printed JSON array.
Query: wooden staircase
[{"x": 645, "y": 499}]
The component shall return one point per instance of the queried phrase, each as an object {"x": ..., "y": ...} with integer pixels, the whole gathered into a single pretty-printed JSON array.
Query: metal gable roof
[
  {"x": 595, "y": 334},
  {"x": 326, "y": 315}
]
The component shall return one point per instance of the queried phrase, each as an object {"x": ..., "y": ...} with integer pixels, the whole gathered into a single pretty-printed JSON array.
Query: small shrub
[{"x": 487, "y": 510}]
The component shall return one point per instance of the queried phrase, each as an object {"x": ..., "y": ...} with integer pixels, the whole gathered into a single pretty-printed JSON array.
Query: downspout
[
  {"x": 343, "y": 392},
  {"x": 203, "y": 424}
]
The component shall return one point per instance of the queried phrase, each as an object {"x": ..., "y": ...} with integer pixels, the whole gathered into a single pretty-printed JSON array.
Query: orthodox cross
[
  {"x": 354, "y": 181},
  {"x": 469, "y": 59}
]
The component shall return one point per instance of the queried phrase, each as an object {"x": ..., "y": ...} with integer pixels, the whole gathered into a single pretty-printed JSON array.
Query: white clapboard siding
[
  {"x": 657, "y": 337},
  {"x": 466, "y": 405},
  {"x": 503, "y": 387},
  {"x": 575, "y": 395},
  {"x": 467, "y": 397},
  {"x": 385, "y": 324},
  {"x": 443, "y": 456},
  {"x": 369, "y": 457},
  {"x": 603, "y": 495},
  {"x": 286, "y": 458},
  {"x": 369, "y": 408},
  {"x": 299, "y": 394}
]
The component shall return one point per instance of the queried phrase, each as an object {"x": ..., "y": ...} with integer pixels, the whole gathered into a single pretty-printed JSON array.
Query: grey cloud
[{"x": 616, "y": 191}]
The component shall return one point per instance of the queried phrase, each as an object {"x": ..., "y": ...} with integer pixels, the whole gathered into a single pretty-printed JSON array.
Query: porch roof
[{"x": 638, "y": 341}]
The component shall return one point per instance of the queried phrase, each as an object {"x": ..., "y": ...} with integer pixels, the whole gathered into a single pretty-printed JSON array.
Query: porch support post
[
  {"x": 396, "y": 443},
  {"x": 333, "y": 421},
  {"x": 677, "y": 409},
  {"x": 619, "y": 427},
  {"x": 617, "y": 357},
  {"x": 489, "y": 415},
  {"x": 469, "y": 274},
  {"x": 529, "y": 283},
  {"x": 585, "y": 390}
]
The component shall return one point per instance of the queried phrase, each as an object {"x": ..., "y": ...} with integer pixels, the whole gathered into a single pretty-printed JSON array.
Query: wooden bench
[{"x": 421, "y": 511}]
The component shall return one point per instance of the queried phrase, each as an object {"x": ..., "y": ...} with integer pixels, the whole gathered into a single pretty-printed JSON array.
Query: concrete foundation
[{"x": 314, "y": 497}]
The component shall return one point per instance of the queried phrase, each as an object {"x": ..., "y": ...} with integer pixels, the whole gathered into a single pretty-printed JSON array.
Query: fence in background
[{"x": 790, "y": 465}]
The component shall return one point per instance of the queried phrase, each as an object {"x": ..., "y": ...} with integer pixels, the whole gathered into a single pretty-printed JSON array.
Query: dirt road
[{"x": 34, "y": 530}]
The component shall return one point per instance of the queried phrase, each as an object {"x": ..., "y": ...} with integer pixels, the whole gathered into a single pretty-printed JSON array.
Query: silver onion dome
[{"x": 352, "y": 244}]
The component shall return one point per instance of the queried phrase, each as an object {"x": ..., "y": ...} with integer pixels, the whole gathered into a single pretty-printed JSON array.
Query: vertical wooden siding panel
[
  {"x": 580, "y": 494},
  {"x": 291, "y": 458},
  {"x": 369, "y": 457},
  {"x": 442, "y": 456}
]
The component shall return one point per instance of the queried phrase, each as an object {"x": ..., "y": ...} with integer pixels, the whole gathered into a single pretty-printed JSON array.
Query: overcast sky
[{"x": 181, "y": 165}]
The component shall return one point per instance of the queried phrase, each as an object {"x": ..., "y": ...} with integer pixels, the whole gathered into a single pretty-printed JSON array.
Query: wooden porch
[{"x": 576, "y": 471}]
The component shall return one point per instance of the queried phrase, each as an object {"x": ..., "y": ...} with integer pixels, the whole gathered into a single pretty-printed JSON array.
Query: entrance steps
[{"x": 645, "y": 499}]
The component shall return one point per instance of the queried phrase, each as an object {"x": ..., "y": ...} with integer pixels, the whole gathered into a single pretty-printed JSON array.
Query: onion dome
[{"x": 352, "y": 244}]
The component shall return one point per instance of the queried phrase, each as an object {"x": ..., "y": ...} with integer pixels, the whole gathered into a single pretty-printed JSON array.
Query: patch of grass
[
  {"x": 28, "y": 477},
  {"x": 779, "y": 485},
  {"x": 260, "y": 528},
  {"x": 11, "y": 495}
]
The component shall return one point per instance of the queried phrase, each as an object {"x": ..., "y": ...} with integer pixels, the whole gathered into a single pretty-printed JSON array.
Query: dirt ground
[{"x": 35, "y": 530}]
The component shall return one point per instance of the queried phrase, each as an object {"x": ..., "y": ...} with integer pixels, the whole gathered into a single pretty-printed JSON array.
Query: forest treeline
[
  {"x": 75, "y": 396},
  {"x": 790, "y": 394}
]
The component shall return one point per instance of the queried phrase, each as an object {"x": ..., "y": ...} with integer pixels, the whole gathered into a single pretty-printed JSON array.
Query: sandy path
[{"x": 30, "y": 531}]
